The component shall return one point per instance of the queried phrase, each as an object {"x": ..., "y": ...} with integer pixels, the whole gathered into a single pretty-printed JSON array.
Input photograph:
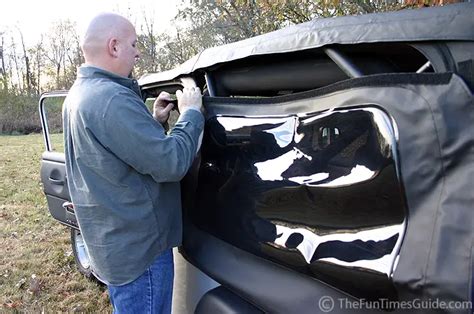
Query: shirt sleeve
[
  {"x": 130, "y": 132},
  {"x": 201, "y": 135}
]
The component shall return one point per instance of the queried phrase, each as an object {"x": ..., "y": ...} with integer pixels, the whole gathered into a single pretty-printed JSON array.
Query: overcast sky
[{"x": 34, "y": 17}]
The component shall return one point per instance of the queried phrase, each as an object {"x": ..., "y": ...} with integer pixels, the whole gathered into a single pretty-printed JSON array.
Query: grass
[{"x": 37, "y": 269}]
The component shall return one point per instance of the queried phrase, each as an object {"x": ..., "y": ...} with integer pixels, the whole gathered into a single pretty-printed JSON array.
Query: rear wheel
[{"x": 80, "y": 254}]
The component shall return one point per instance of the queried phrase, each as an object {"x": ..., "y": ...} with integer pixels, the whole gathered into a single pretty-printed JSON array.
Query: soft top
[{"x": 451, "y": 22}]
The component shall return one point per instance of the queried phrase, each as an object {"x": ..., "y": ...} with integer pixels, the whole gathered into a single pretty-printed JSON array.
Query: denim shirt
[{"x": 123, "y": 173}]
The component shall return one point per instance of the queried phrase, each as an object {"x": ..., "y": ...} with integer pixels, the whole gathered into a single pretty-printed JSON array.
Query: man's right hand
[{"x": 189, "y": 98}]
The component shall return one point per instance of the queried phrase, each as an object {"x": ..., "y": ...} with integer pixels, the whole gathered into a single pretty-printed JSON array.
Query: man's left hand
[{"x": 162, "y": 107}]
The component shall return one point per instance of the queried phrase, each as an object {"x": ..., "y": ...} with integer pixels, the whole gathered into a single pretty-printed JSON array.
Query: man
[{"x": 124, "y": 171}]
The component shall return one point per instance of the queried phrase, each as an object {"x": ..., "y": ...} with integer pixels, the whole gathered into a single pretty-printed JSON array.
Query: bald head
[{"x": 110, "y": 43}]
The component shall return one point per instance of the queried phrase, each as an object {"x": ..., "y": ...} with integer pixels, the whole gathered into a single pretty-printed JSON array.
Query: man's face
[{"x": 128, "y": 52}]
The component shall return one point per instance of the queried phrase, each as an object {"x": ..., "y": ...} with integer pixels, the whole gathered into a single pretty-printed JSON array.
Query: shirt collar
[{"x": 89, "y": 71}]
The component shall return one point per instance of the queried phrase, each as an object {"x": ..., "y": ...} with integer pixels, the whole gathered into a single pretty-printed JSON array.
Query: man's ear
[{"x": 112, "y": 47}]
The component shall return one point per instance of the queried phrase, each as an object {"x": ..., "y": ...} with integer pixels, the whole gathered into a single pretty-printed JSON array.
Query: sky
[{"x": 34, "y": 17}]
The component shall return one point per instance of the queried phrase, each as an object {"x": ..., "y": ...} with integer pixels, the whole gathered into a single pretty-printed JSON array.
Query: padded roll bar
[{"x": 343, "y": 62}]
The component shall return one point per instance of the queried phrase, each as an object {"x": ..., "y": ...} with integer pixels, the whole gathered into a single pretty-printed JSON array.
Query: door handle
[
  {"x": 56, "y": 181},
  {"x": 68, "y": 206}
]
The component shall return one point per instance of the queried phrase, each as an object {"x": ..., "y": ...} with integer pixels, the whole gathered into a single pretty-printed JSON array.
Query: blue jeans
[{"x": 149, "y": 293}]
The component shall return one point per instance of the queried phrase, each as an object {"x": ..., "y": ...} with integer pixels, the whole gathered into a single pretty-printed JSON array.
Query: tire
[{"x": 81, "y": 257}]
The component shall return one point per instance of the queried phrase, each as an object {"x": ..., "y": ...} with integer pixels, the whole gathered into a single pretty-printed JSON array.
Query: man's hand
[
  {"x": 162, "y": 107},
  {"x": 189, "y": 98}
]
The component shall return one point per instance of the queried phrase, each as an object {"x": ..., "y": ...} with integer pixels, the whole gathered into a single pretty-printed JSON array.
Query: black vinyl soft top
[{"x": 453, "y": 22}]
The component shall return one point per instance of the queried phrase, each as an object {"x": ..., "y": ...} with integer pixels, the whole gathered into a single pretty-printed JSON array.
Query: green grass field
[{"x": 37, "y": 269}]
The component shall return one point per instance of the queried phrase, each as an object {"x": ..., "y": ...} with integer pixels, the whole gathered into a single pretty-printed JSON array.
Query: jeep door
[{"x": 53, "y": 170}]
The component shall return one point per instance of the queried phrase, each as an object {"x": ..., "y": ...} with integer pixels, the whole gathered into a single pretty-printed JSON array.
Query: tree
[
  {"x": 14, "y": 58},
  {"x": 75, "y": 58},
  {"x": 3, "y": 69},
  {"x": 27, "y": 75},
  {"x": 148, "y": 46},
  {"x": 221, "y": 22},
  {"x": 63, "y": 53},
  {"x": 37, "y": 54}
]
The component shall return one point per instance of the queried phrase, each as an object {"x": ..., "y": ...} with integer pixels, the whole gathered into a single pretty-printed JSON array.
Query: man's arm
[{"x": 131, "y": 133}]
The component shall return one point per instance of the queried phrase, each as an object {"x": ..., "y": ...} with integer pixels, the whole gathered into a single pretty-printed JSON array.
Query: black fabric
[
  {"x": 436, "y": 156},
  {"x": 434, "y": 116},
  {"x": 266, "y": 285},
  {"x": 466, "y": 70},
  {"x": 378, "y": 80},
  {"x": 451, "y": 22},
  {"x": 221, "y": 300}
]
